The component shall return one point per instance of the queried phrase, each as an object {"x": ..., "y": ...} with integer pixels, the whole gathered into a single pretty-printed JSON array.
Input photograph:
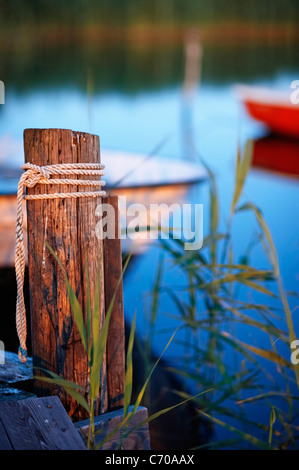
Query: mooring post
[
  {"x": 114, "y": 291},
  {"x": 67, "y": 225}
]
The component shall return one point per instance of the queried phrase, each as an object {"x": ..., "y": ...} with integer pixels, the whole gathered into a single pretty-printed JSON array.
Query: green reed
[
  {"x": 210, "y": 308},
  {"x": 94, "y": 339},
  {"x": 94, "y": 336}
]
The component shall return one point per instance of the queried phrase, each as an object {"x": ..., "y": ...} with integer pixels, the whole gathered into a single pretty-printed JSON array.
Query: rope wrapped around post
[{"x": 33, "y": 175}]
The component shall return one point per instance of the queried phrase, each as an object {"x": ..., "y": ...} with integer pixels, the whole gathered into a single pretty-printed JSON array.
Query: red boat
[{"x": 273, "y": 108}]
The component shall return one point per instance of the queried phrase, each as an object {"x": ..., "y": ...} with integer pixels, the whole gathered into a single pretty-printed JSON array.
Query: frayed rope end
[{"x": 22, "y": 353}]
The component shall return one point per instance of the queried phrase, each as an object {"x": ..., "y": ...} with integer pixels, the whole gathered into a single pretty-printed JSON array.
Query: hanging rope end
[{"x": 22, "y": 353}]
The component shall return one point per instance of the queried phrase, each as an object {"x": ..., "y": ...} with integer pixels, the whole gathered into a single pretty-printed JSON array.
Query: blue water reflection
[
  {"x": 138, "y": 123},
  {"x": 142, "y": 121}
]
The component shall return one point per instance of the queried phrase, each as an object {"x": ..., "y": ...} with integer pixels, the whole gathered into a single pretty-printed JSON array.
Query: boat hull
[
  {"x": 272, "y": 108},
  {"x": 280, "y": 119}
]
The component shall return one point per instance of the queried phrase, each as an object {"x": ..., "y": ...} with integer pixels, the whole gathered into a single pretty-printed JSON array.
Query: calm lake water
[{"x": 133, "y": 100}]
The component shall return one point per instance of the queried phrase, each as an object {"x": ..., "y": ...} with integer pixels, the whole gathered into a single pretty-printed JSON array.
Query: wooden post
[
  {"x": 116, "y": 338},
  {"x": 68, "y": 226}
]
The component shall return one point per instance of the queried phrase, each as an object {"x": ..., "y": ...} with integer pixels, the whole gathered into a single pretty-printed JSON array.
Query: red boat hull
[{"x": 272, "y": 108}]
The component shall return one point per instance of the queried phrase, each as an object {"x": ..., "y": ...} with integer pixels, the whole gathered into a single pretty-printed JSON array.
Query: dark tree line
[{"x": 126, "y": 12}]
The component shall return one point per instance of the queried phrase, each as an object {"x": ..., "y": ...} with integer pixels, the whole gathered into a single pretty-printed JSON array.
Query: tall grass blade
[
  {"x": 70, "y": 388},
  {"x": 266, "y": 354},
  {"x": 275, "y": 264},
  {"x": 165, "y": 410},
  {"x": 156, "y": 291},
  {"x": 141, "y": 393},
  {"x": 129, "y": 369},
  {"x": 129, "y": 416},
  {"x": 262, "y": 396},
  {"x": 88, "y": 315},
  {"x": 145, "y": 159},
  {"x": 245, "y": 436},
  {"x": 101, "y": 341},
  {"x": 272, "y": 421},
  {"x": 242, "y": 167},
  {"x": 96, "y": 309},
  {"x": 75, "y": 305}
]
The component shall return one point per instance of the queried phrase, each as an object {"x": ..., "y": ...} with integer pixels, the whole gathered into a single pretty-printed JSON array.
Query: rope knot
[{"x": 34, "y": 174}]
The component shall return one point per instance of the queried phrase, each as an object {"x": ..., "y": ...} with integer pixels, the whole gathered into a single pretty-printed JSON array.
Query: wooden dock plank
[
  {"x": 37, "y": 424},
  {"x": 138, "y": 439},
  {"x": 4, "y": 441}
]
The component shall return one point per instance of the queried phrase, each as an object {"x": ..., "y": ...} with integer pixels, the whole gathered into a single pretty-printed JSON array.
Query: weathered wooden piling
[
  {"x": 114, "y": 292},
  {"x": 68, "y": 226}
]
